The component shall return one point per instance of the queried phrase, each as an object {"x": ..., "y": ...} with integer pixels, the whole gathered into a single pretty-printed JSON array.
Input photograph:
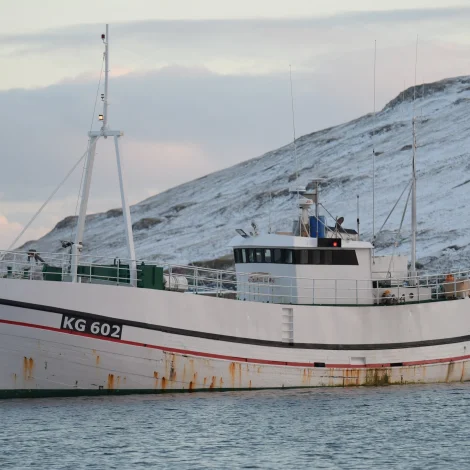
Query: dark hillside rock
[
  {"x": 113, "y": 213},
  {"x": 146, "y": 223},
  {"x": 68, "y": 222}
]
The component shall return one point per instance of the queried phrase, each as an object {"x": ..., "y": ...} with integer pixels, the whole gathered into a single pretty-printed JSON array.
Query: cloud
[
  {"x": 10, "y": 230},
  {"x": 170, "y": 40},
  {"x": 178, "y": 31}
]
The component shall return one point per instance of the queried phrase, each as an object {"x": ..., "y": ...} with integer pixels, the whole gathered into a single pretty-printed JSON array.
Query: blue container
[{"x": 320, "y": 224}]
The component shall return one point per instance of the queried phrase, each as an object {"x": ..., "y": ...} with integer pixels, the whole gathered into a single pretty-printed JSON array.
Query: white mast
[
  {"x": 94, "y": 136},
  {"x": 413, "y": 187}
]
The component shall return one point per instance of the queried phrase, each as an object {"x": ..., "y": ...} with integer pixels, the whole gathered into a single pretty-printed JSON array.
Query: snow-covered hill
[{"x": 196, "y": 220}]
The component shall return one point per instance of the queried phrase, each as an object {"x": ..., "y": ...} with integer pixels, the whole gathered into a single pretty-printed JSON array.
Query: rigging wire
[
  {"x": 46, "y": 202},
  {"x": 65, "y": 178},
  {"x": 393, "y": 208},
  {"x": 395, "y": 245},
  {"x": 88, "y": 147}
]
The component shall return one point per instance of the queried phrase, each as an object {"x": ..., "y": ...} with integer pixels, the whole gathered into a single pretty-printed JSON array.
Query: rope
[
  {"x": 46, "y": 202},
  {"x": 88, "y": 146},
  {"x": 393, "y": 208}
]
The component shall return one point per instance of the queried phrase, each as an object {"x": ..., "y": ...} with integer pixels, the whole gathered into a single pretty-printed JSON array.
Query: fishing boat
[{"x": 313, "y": 306}]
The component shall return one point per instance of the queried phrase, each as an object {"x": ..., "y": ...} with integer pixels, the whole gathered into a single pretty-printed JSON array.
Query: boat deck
[{"x": 258, "y": 287}]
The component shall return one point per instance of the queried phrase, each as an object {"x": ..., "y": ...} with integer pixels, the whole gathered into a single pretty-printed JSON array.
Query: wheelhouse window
[
  {"x": 340, "y": 257},
  {"x": 327, "y": 257},
  {"x": 301, "y": 256},
  {"x": 314, "y": 257},
  {"x": 289, "y": 257},
  {"x": 267, "y": 255},
  {"x": 236, "y": 255}
]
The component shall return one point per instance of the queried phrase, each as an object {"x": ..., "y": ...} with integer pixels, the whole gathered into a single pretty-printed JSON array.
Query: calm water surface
[{"x": 415, "y": 427}]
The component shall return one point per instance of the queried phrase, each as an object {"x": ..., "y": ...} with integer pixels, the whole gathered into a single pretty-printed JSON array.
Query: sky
[{"x": 194, "y": 86}]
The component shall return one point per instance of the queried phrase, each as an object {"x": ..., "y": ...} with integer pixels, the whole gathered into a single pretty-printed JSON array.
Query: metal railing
[{"x": 258, "y": 287}]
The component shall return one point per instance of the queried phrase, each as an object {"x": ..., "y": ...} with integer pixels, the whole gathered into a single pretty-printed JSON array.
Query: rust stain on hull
[
  {"x": 377, "y": 377},
  {"x": 110, "y": 381},
  {"x": 235, "y": 370},
  {"x": 231, "y": 369},
  {"x": 163, "y": 383},
  {"x": 28, "y": 368},
  {"x": 212, "y": 385},
  {"x": 450, "y": 371},
  {"x": 307, "y": 377},
  {"x": 155, "y": 376},
  {"x": 351, "y": 377}
]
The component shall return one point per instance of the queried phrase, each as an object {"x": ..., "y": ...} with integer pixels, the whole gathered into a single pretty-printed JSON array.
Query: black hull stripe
[{"x": 236, "y": 339}]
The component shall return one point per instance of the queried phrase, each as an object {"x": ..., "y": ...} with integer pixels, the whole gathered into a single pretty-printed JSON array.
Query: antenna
[
  {"x": 293, "y": 124},
  {"x": 413, "y": 171},
  {"x": 373, "y": 155},
  {"x": 295, "y": 148},
  {"x": 270, "y": 207},
  {"x": 358, "y": 224}
]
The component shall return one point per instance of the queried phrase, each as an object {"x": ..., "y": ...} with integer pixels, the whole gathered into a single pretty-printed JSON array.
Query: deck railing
[{"x": 259, "y": 287}]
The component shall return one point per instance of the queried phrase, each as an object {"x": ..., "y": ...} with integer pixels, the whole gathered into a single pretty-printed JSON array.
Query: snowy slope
[{"x": 196, "y": 220}]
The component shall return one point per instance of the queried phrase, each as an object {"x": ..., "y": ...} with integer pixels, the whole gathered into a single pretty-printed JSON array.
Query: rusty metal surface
[{"x": 166, "y": 372}]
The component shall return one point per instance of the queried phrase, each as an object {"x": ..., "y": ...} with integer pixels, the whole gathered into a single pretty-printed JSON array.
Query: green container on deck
[
  {"x": 51, "y": 273},
  {"x": 150, "y": 277}
]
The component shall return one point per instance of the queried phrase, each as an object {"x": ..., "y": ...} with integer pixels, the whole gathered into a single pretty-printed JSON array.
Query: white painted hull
[{"x": 181, "y": 342}]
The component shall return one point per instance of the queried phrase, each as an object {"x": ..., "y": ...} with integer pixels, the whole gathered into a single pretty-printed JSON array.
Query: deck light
[
  {"x": 100, "y": 117},
  {"x": 329, "y": 243}
]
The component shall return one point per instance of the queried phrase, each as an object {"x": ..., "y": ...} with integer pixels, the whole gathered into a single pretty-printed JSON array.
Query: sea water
[{"x": 395, "y": 427}]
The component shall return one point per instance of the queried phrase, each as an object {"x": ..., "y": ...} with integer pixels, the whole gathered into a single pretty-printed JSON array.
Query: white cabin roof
[{"x": 273, "y": 240}]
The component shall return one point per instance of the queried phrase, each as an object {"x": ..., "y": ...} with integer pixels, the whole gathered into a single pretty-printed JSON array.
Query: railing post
[
  {"x": 169, "y": 277},
  {"x": 195, "y": 278},
  {"x": 357, "y": 294},
  {"x": 336, "y": 293}
]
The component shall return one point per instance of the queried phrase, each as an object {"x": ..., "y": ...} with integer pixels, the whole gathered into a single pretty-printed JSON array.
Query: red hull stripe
[{"x": 232, "y": 358}]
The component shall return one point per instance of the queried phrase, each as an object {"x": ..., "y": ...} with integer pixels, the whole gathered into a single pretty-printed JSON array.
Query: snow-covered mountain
[{"x": 196, "y": 220}]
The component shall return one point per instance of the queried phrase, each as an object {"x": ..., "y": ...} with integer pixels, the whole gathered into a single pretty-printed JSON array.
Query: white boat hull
[{"x": 180, "y": 342}]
